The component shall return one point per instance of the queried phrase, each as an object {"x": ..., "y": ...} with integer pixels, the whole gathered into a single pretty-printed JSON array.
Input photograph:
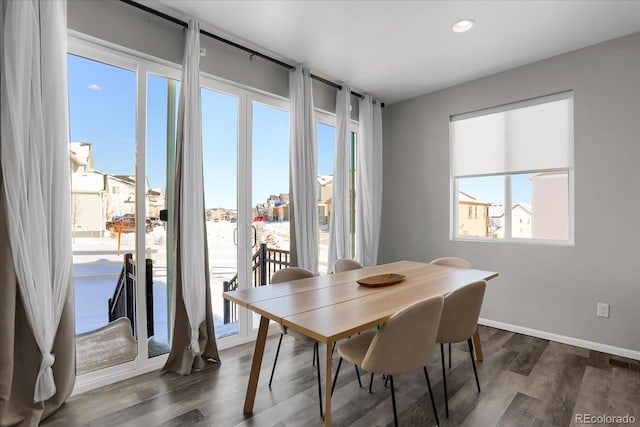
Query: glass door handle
[
  {"x": 235, "y": 236},
  {"x": 255, "y": 236}
]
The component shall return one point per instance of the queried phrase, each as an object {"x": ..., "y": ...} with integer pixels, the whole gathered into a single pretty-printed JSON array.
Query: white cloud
[{"x": 94, "y": 87}]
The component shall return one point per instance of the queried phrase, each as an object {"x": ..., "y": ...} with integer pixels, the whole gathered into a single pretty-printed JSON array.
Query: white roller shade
[{"x": 523, "y": 137}]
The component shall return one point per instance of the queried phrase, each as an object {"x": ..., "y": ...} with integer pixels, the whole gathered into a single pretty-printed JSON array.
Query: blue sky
[
  {"x": 102, "y": 110},
  {"x": 491, "y": 188}
]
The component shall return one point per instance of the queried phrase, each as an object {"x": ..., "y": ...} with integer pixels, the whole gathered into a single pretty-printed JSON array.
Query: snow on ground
[{"x": 97, "y": 265}]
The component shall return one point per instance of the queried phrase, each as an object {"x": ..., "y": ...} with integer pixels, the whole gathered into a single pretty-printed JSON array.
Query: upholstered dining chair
[
  {"x": 340, "y": 265},
  {"x": 451, "y": 261},
  {"x": 458, "y": 323},
  {"x": 403, "y": 344},
  {"x": 345, "y": 264},
  {"x": 287, "y": 275}
]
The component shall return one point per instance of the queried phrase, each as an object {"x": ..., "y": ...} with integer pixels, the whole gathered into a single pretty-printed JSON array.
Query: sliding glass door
[
  {"x": 269, "y": 191},
  {"x": 123, "y": 120},
  {"x": 326, "y": 138},
  {"x": 220, "y": 115},
  {"x": 246, "y": 168},
  {"x": 102, "y": 153}
]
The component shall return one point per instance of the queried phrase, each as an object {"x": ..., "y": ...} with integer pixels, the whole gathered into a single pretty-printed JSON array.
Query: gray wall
[
  {"x": 127, "y": 26},
  {"x": 548, "y": 288}
]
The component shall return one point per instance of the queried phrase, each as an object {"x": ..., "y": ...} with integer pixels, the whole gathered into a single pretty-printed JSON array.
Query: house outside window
[{"x": 518, "y": 156}]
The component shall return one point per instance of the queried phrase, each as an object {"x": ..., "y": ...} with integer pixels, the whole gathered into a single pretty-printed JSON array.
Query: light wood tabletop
[{"x": 332, "y": 307}]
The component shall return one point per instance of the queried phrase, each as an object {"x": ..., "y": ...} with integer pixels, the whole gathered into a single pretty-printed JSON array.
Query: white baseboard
[{"x": 604, "y": 348}]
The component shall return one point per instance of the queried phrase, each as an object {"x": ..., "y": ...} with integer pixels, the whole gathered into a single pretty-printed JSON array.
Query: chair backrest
[
  {"x": 460, "y": 313},
  {"x": 451, "y": 261},
  {"x": 405, "y": 342},
  {"x": 345, "y": 264},
  {"x": 290, "y": 273}
]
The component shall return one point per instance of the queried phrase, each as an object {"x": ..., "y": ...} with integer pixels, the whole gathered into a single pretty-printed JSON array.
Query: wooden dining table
[{"x": 332, "y": 307}]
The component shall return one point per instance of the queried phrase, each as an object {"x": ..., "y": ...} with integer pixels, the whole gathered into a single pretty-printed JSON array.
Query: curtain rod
[{"x": 234, "y": 44}]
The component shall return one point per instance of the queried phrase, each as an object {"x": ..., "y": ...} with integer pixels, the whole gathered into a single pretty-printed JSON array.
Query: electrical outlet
[
  {"x": 603, "y": 310},
  {"x": 203, "y": 51}
]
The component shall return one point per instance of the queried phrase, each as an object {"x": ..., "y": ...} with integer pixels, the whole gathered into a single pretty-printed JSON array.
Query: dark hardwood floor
[{"x": 525, "y": 382}]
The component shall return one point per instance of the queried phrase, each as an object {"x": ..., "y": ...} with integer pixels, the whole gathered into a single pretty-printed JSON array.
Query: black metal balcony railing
[
  {"x": 264, "y": 263},
  {"x": 123, "y": 301}
]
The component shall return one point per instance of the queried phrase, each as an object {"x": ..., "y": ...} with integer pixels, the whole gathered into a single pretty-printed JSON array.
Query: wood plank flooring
[{"x": 525, "y": 381}]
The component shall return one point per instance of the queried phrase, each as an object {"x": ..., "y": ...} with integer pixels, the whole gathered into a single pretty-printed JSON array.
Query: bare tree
[{"x": 76, "y": 211}]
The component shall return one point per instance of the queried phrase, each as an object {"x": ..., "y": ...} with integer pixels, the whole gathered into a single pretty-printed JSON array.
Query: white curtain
[
  {"x": 303, "y": 159},
  {"x": 369, "y": 182},
  {"x": 340, "y": 221},
  {"x": 35, "y": 166},
  {"x": 189, "y": 177}
]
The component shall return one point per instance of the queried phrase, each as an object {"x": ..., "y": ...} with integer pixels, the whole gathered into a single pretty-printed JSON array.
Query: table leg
[
  {"x": 327, "y": 387},
  {"x": 477, "y": 347},
  {"x": 258, "y": 352}
]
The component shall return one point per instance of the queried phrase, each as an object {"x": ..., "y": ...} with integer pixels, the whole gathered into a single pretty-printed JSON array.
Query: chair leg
[
  {"x": 393, "y": 402},
  {"x": 358, "y": 375},
  {"x": 333, "y": 347},
  {"x": 319, "y": 382},
  {"x": 370, "y": 382},
  {"x": 386, "y": 381},
  {"x": 473, "y": 362},
  {"x": 335, "y": 377},
  {"x": 433, "y": 402},
  {"x": 444, "y": 381},
  {"x": 449, "y": 355},
  {"x": 275, "y": 360}
]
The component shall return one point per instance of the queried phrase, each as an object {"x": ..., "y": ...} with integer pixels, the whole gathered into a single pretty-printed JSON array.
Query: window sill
[{"x": 537, "y": 242}]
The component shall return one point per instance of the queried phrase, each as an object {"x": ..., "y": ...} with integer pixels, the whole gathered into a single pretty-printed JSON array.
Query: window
[
  {"x": 326, "y": 140},
  {"x": 220, "y": 124},
  {"x": 514, "y": 162},
  {"x": 102, "y": 222}
]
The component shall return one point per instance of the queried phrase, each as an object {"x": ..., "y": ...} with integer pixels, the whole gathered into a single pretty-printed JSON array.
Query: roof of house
[
  {"x": 525, "y": 206},
  {"x": 468, "y": 198},
  {"x": 496, "y": 211},
  {"x": 126, "y": 178},
  {"x": 325, "y": 179},
  {"x": 80, "y": 152}
]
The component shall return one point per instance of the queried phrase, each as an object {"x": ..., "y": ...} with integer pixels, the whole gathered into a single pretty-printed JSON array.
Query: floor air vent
[{"x": 625, "y": 365}]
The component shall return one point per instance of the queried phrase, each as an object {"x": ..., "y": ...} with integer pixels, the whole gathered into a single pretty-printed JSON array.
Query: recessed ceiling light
[{"x": 463, "y": 25}]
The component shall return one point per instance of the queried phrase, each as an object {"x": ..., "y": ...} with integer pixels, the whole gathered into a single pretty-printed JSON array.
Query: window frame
[{"x": 508, "y": 235}]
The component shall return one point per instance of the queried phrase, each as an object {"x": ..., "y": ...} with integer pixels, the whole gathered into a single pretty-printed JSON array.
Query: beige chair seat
[
  {"x": 458, "y": 323},
  {"x": 346, "y": 264},
  {"x": 354, "y": 349},
  {"x": 287, "y": 275},
  {"x": 403, "y": 344},
  {"x": 295, "y": 334},
  {"x": 291, "y": 274},
  {"x": 452, "y": 261}
]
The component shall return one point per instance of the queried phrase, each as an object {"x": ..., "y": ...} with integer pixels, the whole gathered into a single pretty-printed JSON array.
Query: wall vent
[{"x": 625, "y": 365}]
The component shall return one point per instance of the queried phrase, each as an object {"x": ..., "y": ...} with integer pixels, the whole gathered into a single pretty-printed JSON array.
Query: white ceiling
[{"x": 396, "y": 50}]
